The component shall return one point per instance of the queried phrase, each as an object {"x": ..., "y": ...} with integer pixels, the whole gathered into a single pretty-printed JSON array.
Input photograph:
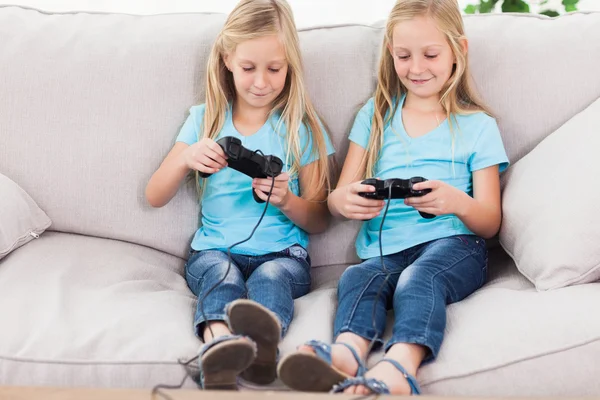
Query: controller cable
[
  {"x": 186, "y": 364},
  {"x": 373, "y": 315}
]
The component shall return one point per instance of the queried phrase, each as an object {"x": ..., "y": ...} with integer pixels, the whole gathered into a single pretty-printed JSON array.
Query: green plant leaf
[
  {"x": 515, "y": 6},
  {"x": 470, "y": 9},
  {"x": 519, "y": 6},
  {"x": 570, "y": 5},
  {"x": 550, "y": 13},
  {"x": 487, "y": 6}
]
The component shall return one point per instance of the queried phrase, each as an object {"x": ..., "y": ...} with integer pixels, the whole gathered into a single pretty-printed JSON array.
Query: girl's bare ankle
[
  {"x": 342, "y": 359},
  {"x": 215, "y": 329}
]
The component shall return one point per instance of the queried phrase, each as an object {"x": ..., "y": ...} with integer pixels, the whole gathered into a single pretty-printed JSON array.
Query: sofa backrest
[{"x": 91, "y": 103}]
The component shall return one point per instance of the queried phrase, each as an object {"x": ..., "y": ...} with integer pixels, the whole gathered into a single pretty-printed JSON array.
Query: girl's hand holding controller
[
  {"x": 205, "y": 156},
  {"x": 352, "y": 206},
  {"x": 443, "y": 199},
  {"x": 280, "y": 194}
]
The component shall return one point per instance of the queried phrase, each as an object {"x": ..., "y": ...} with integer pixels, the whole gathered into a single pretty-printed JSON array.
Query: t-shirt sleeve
[
  {"x": 189, "y": 131},
  {"x": 488, "y": 149},
  {"x": 306, "y": 145},
  {"x": 361, "y": 129}
]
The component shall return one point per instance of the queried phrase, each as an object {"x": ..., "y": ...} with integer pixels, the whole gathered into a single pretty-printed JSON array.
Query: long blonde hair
[
  {"x": 252, "y": 19},
  {"x": 458, "y": 95}
]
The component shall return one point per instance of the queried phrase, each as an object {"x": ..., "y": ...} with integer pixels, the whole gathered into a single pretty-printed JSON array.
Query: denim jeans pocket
[{"x": 475, "y": 243}]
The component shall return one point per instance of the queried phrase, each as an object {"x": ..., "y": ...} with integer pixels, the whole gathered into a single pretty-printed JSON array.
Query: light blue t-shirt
[
  {"x": 477, "y": 145},
  {"x": 229, "y": 211}
]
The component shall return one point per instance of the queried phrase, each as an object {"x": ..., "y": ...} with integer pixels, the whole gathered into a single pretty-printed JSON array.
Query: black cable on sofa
[{"x": 186, "y": 364}]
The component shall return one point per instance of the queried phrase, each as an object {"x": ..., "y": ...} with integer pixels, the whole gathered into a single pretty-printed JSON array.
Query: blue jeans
[
  {"x": 423, "y": 280},
  {"x": 273, "y": 280}
]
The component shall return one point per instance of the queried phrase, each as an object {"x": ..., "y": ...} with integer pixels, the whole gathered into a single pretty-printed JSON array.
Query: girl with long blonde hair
[
  {"x": 424, "y": 120},
  {"x": 255, "y": 93}
]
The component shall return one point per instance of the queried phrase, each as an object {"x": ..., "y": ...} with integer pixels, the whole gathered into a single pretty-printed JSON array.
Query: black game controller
[
  {"x": 401, "y": 189},
  {"x": 248, "y": 162}
]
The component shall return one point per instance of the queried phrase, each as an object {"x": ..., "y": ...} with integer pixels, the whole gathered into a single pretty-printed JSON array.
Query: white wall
[{"x": 307, "y": 12}]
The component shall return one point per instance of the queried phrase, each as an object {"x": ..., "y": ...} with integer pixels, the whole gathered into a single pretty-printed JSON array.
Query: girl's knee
[
  {"x": 415, "y": 282},
  {"x": 284, "y": 271},
  {"x": 412, "y": 275},
  {"x": 363, "y": 271},
  {"x": 357, "y": 278},
  {"x": 269, "y": 271},
  {"x": 215, "y": 264}
]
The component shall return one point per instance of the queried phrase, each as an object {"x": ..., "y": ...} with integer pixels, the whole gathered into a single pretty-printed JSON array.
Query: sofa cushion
[
  {"x": 21, "y": 220},
  {"x": 551, "y": 222},
  {"x": 86, "y": 320},
  {"x": 81, "y": 311},
  {"x": 116, "y": 89},
  {"x": 530, "y": 89},
  {"x": 100, "y": 312},
  {"x": 508, "y": 339},
  {"x": 96, "y": 101}
]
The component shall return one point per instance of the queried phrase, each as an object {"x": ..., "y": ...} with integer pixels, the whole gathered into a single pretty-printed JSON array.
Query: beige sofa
[{"x": 91, "y": 103}]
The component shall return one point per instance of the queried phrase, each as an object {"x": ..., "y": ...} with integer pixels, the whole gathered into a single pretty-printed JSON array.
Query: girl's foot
[
  {"x": 317, "y": 367},
  {"x": 389, "y": 375},
  {"x": 394, "y": 374},
  {"x": 341, "y": 358}
]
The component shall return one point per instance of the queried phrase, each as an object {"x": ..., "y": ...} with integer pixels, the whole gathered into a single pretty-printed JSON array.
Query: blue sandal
[
  {"x": 375, "y": 385},
  {"x": 223, "y": 359},
  {"x": 310, "y": 372}
]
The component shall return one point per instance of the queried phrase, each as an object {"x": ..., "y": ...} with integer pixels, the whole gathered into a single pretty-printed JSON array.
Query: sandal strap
[
  {"x": 374, "y": 385},
  {"x": 412, "y": 381},
  {"x": 361, "y": 367},
  {"x": 220, "y": 339},
  {"x": 323, "y": 351},
  {"x": 212, "y": 343}
]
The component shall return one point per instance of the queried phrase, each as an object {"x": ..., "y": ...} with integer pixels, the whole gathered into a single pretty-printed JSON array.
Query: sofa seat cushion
[
  {"x": 82, "y": 311},
  {"x": 508, "y": 339},
  {"x": 98, "y": 312}
]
